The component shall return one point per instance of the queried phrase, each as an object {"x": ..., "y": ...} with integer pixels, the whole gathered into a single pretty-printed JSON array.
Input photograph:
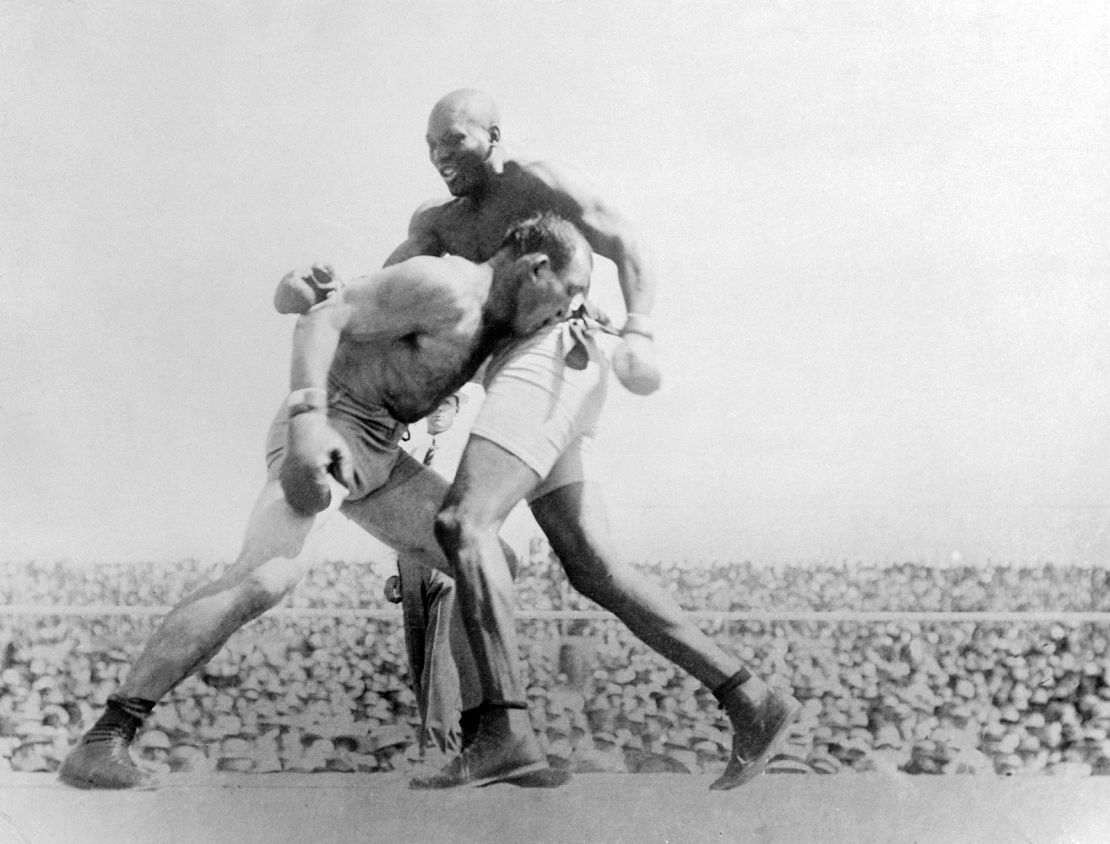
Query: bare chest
[{"x": 475, "y": 231}]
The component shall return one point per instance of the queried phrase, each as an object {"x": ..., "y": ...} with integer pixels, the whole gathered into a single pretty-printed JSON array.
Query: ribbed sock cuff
[
  {"x": 735, "y": 681},
  {"x": 122, "y": 717},
  {"x": 136, "y": 707}
]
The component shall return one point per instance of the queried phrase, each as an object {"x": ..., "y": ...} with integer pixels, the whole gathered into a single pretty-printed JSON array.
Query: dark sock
[
  {"x": 735, "y": 681},
  {"x": 122, "y": 717}
]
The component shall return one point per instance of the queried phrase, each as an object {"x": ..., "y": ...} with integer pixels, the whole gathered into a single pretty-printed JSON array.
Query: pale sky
[{"x": 880, "y": 232}]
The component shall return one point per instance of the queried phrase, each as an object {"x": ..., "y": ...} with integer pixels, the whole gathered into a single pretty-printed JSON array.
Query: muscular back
[{"x": 413, "y": 336}]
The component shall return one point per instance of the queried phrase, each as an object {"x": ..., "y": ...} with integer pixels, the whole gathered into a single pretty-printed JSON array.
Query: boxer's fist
[
  {"x": 304, "y": 287},
  {"x": 635, "y": 366},
  {"x": 313, "y": 450}
]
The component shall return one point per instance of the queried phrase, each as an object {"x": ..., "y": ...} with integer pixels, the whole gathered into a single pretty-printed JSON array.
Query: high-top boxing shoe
[
  {"x": 102, "y": 758},
  {"x": 759, "y": 726},
  {"x": 104, "y": 763}
]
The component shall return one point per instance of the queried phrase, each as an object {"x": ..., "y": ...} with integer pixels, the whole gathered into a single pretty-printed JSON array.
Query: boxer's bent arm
[
  {"x": 315, "y": 339},
  {"x": 607, "y": 232}
]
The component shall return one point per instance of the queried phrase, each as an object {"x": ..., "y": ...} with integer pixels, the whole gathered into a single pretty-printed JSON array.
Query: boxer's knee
[
  {"x": 464, "y": 540},
  {"x": 266, "y": 586},
  {"x": 449, "y": 529}
]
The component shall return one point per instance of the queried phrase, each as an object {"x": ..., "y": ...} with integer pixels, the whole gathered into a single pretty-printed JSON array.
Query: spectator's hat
[
  {"x": 43, "y": 683},
  {"x": 386, "y": 737},
  {"x": 788, "y": 763},
  {"x": 862, "y": 735},
  {"x": 55, "y": 715},
  {"x": 851, "y": 748},
  {"x": 1010, "y": 714},
  {"x": 605, "y": 738},
  {"x": 822, "y": 762}
]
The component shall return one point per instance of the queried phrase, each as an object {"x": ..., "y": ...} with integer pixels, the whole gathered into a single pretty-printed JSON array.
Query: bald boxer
[{"x": 532, "y": 440}]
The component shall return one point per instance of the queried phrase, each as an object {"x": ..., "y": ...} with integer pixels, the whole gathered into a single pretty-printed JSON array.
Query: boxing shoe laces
[
  {"x": 104, "y": 762},
  {"x": 758, "y": 731}
]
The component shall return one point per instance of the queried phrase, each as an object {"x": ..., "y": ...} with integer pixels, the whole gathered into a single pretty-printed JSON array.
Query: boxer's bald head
[
  {"x": 467, "y": 104},
  {"x": 464, "y": 136}
]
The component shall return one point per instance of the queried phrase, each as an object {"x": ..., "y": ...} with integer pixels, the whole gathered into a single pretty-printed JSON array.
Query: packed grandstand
[{"x": 1018, "y": 685}]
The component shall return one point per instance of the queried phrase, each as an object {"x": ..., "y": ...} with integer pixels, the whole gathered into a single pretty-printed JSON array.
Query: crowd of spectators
[
  {"x": 331, "y": 693},
  {"x": 718, "y": 586}
]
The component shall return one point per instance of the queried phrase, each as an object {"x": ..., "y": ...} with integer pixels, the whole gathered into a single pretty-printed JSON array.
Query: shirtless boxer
[
  {"x": 381, "y": 352},
  {"x": 532, "y": 440}
]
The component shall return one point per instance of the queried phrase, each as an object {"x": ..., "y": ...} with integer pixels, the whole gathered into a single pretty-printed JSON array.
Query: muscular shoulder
[
  {"x": 429, "y": 219},
  {"x": 555, "y": 186},
  {"x": 427, "y": 227},
  {"x": 544, "y": 176},
  {"x": 570, "y": 194}
]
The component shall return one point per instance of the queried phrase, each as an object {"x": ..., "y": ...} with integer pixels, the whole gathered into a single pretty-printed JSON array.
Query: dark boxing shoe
[
  {"x": 105, "y": 763},
  {"x": 470, "y": 723},
  {"x": 759, "y": 730},
  {"x": 488, "y": 759}
]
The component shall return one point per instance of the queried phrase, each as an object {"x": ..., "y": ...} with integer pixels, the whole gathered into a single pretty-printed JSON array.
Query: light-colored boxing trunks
[{"x": 544, "y": 411}]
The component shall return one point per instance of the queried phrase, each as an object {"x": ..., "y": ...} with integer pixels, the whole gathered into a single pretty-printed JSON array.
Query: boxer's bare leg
[{"x": 272, "y": 561}]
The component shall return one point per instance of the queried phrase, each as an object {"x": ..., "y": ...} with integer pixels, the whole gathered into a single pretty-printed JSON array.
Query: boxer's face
[
  {"x": 459, "y": 148},
  {"x": 543, "y": 295}
]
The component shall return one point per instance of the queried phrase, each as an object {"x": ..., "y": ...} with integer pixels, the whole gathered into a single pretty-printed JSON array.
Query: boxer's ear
[{"x": 537, "y": 261}]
